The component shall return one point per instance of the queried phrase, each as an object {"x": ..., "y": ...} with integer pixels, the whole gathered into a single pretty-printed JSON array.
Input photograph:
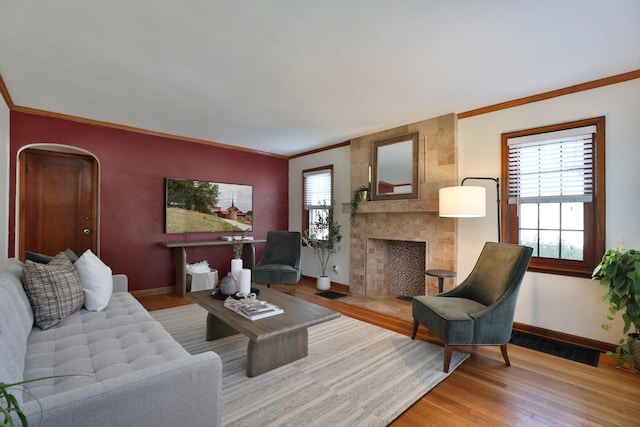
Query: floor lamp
[{"x": 468, "y": 202}]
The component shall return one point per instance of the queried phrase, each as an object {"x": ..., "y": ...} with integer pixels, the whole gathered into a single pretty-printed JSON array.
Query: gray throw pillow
[
  {"x": 44, "y": 259},
  {"x": 54, "y": 290}
]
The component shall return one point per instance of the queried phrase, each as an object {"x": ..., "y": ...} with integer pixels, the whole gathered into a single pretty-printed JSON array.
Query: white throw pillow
[{"x": 96, "y": 280}]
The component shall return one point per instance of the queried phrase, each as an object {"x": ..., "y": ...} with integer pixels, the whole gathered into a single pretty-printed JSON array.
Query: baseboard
[
  {"x": 566, "y": 338},
  {"x": 154, "y": 291}
]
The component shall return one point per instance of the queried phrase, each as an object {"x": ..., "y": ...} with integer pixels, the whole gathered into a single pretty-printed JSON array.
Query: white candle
[{"x": 244, "y": 284}]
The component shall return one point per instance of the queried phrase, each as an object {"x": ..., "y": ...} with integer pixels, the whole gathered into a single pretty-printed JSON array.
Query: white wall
[
  {"x": 561, "y": 303},
  {"x": 340, "y": 158},
  {"x": 4, "y": 179}
]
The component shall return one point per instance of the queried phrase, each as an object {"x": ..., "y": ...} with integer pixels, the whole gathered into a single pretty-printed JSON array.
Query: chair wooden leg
[
  {"x": 448, "y": 351},
  {"x": 293, "y": 291},
  {"x": 415, "y": 329},
  {"x": 268, "y": 285},
  {"x": 503, "y": 348}
]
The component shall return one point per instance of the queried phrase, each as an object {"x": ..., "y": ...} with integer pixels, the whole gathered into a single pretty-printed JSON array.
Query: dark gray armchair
[
  {"x": 280, "y": 262},
  {"x": 480, "y": 310}
]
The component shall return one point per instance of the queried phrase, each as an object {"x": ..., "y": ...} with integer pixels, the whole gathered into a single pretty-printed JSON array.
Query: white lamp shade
[{"x": 463, "y": 201}]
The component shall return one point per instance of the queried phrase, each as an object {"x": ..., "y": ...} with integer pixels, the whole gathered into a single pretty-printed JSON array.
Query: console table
[{"x": 180, "y": 249}]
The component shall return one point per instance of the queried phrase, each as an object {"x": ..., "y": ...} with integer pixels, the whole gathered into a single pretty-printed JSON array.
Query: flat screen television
[{"x": 195, "y": 206}]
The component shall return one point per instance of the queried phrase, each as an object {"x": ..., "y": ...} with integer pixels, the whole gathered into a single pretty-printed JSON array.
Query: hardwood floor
[{"x": 536, "y": 390}]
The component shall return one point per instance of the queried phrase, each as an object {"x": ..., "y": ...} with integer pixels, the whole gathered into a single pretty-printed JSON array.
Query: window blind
[
  {"x": 317, "y": 189},
  {"x": 551, "y": 167}
]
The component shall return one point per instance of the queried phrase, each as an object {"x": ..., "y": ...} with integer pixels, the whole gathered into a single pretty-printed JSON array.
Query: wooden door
[{"x": 58, "y": 202}]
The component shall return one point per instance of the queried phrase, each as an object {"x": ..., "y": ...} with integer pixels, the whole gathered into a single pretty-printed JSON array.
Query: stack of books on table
[{"x": 252, "y": 308}]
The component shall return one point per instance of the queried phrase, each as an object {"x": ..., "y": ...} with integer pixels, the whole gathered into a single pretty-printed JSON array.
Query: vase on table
[
  {"x": 236, "y": 267},
  {"x": 229, "y": 285}
]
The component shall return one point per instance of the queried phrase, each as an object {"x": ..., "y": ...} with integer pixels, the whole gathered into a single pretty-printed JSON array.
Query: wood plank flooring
[{"x": 536, "y": 390}]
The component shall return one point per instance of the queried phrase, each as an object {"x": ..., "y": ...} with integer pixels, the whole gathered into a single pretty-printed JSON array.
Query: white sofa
[{"x": 124, "y": 368}]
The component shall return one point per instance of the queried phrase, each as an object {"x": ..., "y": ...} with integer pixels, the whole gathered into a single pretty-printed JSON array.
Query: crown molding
[
  {"x": 84, "y": 120},
  {"x": 319, "y": 150},
  {"x": 619, "y": 78}
]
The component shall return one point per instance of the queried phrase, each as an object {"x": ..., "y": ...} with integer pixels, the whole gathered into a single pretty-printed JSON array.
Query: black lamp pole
[{"x": 497, "y": 181}]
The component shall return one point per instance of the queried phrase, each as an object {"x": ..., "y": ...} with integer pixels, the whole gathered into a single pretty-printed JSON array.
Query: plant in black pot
[
  {"x": 619, "y": 272},
  {"x": 323, "y": 237}
]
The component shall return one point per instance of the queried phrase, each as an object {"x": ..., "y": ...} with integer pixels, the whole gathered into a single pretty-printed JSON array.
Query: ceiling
[{"x": 290, "y": 76}]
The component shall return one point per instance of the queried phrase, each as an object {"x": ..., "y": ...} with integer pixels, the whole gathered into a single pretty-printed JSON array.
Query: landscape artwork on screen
[{"x": 194, "y": 206}]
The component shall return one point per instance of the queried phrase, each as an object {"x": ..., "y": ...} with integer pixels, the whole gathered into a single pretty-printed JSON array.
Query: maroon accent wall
[{"x": 133, "y": 168}]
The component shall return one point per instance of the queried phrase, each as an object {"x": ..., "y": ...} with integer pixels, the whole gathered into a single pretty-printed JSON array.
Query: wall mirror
[{"x": 395, "y": 168}]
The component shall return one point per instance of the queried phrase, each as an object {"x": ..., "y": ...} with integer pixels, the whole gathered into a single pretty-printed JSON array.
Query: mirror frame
[{"x": 414, "y": 168}]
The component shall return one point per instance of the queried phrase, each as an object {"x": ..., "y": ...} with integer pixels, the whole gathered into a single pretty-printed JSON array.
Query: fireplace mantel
[
  {"x": 399, "y": 238},
  {"x": 391, "y": 206}
]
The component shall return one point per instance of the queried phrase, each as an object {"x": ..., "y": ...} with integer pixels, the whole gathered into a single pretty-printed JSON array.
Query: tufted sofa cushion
[{"x": 95, "y": 346}]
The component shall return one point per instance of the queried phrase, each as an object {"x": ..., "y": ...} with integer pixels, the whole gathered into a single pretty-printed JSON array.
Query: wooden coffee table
[{"x": 273, "y": 341}]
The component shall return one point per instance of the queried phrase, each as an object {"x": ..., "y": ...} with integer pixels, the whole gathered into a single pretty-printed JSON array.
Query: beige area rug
[
  {"x": 389, "y": 305},
  {"x": 356, "y": 374}
]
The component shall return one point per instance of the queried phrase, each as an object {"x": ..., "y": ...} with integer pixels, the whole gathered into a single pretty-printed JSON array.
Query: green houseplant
[
  {"x": 323, "y": 237},
  {"x": 9, "y": 403},
  {"x": 358, "y": 195},
  {"x": 619, "y": 272}
]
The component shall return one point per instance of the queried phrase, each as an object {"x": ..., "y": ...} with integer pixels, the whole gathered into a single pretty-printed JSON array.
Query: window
[
  {"x": 318, "y": 194},
  {"x": 554, "y": 195}
]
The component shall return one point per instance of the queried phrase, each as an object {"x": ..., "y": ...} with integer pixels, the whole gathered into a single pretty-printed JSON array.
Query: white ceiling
[{"x": 288, "y": 76}]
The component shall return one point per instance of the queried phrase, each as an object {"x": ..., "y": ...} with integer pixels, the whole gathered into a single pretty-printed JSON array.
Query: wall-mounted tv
[{"x": 194, "y": 206}]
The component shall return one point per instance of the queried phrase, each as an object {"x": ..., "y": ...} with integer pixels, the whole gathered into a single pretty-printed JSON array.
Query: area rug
[
  {"x": 356, "y": 374},
  {"x": 331, "y": 294},
  {"x": 556, "y": 348}
]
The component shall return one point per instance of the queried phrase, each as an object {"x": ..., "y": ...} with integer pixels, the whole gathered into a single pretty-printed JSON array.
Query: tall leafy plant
[
  {"x": 323, "y": 236},
  {"x": 619, "y": 272}
]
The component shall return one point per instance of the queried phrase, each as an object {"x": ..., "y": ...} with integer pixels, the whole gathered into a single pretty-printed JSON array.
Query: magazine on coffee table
[{"x": 252, "y": 308}]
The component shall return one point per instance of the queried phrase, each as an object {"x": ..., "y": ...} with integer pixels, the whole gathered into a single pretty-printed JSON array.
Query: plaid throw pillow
[{"x": 53, "y": 289}]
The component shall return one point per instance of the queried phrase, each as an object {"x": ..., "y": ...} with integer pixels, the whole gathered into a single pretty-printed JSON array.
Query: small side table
[{"x": 441, "y": 275}]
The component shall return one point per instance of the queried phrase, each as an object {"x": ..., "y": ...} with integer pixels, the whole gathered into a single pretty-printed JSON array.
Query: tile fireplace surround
[{"x": 380, "y": 225}]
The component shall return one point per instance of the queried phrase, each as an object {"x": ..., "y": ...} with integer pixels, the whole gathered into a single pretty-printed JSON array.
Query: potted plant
[
  {"x": 236, "y": 263},
  {"x": 323, "y": 237},
  {"x": 619, "y": 272},
  {"x": 358, "y": 195}
]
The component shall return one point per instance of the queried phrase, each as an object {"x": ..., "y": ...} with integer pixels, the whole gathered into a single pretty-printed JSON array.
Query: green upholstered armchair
[
  {"x": 280, "y": 262},
  {"x": 480, "y": 310}
]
